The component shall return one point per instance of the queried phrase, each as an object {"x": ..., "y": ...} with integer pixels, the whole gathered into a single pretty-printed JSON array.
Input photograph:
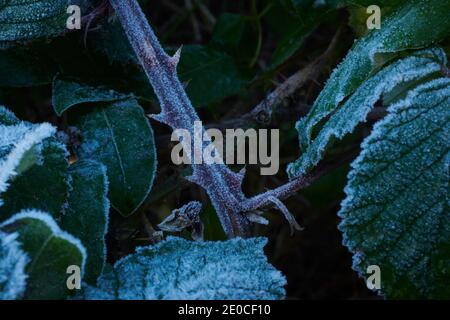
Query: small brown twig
[
  {"x": 194, "y": 21},
  {"x": 262, "y": 113}
]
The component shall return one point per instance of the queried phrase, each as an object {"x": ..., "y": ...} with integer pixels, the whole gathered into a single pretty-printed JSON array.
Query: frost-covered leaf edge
[
  {"x": 417, "y": 66},
  {"x": 340, "y": 84},
  {"x": 109, "y": 286},
  {"x": 13, "y": 262},
  {"x": 35, "y": 136},
  {"x": 106, "y": 208},
  {"x": 435, "y": 84}
]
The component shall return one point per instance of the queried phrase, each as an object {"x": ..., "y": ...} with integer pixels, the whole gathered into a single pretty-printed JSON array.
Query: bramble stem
[{"x": 222, "y": 185}]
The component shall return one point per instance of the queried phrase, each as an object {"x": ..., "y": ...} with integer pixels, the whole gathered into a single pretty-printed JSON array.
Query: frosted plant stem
[{"x": 222, "y": 184}]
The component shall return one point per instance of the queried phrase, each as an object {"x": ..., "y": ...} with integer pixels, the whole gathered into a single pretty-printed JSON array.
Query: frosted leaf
[
  {"x": 396, "y": 214},
  {"x": 68, "y": 93},
  {"x": 29, "y": 154},
  {"x": 50, "y": 251},
  {"x": 87, "y": 213},
  {"x": 12, "y": 267},
  {"x": 413, "y": 25},
  {"x": 19, "y": 149},
  {"x": 355, "y": 110},
  {"x": 180, "y": 269},
  {"x": 119, "y": 135},
  {"x": 7, "y": 118},
  {"x": 23, "y": 20}
]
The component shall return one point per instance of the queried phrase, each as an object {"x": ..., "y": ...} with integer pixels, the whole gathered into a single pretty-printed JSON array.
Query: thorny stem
[{"x": 222, "y": 185}]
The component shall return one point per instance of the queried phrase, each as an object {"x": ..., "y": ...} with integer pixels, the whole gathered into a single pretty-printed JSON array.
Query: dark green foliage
[
  {"x": 119, "y": 135},
  {"x": 50, "y": 251},
  {"x": 27, "y": 190},
  {"x": 78, "y": 182},
  {"x": 373, "y": 51},
  {"x": 87, "y": 213},
  {"x": 67, "y": 93},
  {"x": 396, "y": 213},
  {"x": 211, "y": 75}
]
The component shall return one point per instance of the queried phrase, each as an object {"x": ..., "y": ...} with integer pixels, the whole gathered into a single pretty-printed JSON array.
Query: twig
[
  {"x": 208, "y": 16},
  {"x": 222, "y": 185},
  {"x": 194, "y": 22},
  {"x": 285, "y": 191}
]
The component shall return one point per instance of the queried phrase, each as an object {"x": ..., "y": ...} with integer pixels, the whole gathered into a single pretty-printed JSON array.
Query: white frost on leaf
[
  {"x": 355, "y": 110},
  {"x": 396, "y": 214},
  {"x": 7, "y": 117},
  {"x": 24, "y": 20},
  {"x": 181, "y": 269},
  {"x": 15, "y": 142},
  {"x": 12, "y": 267},
  {"x": 48, "y": 220}
]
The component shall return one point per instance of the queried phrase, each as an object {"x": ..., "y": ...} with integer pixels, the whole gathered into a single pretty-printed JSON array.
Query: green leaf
[
  {"x": 87, "y": 213},
  {"x": 118, "y": 135},
  {"x": 229, "y": 31},
  {"x": 413, "y": 25},
  {"x": 13, "y": 262},
  {"x": 68, "y": 93},
  {"x": 24, "y": 20},
  {"x": 211, "y": 74},
  {"x": 7, "y": 118},
  {"x": 50, "y": 250},
  {"x": 180, "y": 269},
  {"x": 293, "y": 37},
  {"x": 236, "y": 35},
  {"x": 46, "y": 162},
  {"x": 396, "y": 214},
  {"x": 111, "y": 41},
  {"x": 418, "y": 67},
  {"x": 29, "y": 155}
]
